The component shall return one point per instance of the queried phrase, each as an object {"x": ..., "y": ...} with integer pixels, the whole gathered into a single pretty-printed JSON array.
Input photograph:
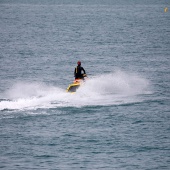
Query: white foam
[{"x": 109, "y": 89}]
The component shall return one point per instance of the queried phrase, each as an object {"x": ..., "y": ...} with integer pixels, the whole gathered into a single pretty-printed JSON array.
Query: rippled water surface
[{"x": 118, "y": 119}]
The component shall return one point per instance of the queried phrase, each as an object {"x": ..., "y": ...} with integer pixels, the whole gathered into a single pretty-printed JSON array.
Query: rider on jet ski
[{"x": 78, "y": 71}]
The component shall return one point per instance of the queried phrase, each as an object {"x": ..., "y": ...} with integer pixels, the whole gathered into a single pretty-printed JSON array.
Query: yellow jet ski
[{"x": 76, "y": 84}]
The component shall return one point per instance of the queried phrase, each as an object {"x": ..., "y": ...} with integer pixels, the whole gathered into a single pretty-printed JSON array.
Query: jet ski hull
[{"x": 72, "y": 88}]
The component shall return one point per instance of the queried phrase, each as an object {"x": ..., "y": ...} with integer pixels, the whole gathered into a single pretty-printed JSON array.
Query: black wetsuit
[{"x": 78, "y": 72}]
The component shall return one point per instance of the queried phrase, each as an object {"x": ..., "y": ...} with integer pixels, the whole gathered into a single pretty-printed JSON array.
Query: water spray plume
[{"x": 110, "y": 89}]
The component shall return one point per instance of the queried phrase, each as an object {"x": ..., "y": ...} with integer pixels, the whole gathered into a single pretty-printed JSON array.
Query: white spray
[{"x": 110, "y": 89}]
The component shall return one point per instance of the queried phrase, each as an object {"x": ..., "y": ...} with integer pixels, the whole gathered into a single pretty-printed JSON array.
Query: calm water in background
[{"x": 119, "y": 119}]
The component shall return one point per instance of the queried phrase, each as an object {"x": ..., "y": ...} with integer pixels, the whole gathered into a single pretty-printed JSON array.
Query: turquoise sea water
[{"x": 119, "y": 119}]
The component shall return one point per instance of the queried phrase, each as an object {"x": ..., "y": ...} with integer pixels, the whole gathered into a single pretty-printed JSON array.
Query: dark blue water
[{"x": 119, "y": 119}]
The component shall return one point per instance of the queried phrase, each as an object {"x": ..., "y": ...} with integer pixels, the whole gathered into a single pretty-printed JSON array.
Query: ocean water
[{"x": 118, "y": 119}]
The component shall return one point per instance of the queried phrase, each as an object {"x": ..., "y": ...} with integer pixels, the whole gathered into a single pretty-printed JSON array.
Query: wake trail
[{"x": 109, "y": 89}]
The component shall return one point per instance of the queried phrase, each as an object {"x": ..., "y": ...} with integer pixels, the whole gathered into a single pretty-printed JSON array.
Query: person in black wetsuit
[{"x": 78, "y": 71}]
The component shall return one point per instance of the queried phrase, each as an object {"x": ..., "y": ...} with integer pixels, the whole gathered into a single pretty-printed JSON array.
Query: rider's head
[{"x": 79, "y": 63}]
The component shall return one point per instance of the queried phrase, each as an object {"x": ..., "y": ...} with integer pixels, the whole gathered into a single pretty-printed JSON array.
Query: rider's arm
[
  {"x": 75, "y": 72},
  {"x": 83, "y": 70}
]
